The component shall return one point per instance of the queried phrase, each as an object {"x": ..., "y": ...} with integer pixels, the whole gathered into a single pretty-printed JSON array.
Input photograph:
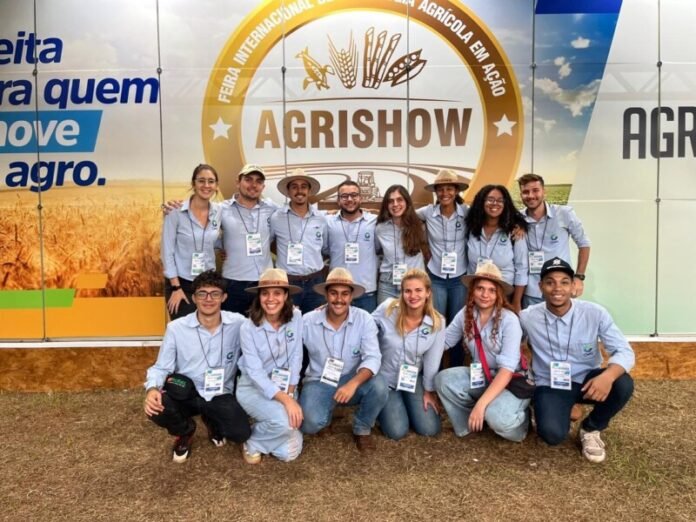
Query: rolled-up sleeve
[
  {"x": 577, "y": 232},
  {"x": 615, "y": 343},
  {"x": 371, "y": 355},
  {"x": 510, "y": 336},
  {"x": 521, "y": 262},
  {"x": 165, "y": 364},
  {"x": 252, "y": 365},
  {"x": 168, "y": 245},
  {"x": 455, "y": 330}
]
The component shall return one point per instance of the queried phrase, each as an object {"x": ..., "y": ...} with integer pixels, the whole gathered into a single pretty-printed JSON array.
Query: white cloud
[
  {"x": 580, "y": 43},
  {"x": 571, "y": 157},
  {"x": 547, "y": 125},
  {"x": 575, "y": 100},
  {"x": 564, "y": 68}
]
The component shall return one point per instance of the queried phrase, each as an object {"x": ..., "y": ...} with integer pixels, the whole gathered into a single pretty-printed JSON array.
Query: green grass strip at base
[{"x": 32, "y": 299}]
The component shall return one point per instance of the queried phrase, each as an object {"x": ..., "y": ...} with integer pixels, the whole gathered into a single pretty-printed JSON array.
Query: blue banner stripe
[{"x": 577, "y": 6}]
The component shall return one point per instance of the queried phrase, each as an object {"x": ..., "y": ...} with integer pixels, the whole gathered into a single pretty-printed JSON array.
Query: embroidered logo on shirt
[
  {"x": 425, "y": 330},
  {"x": 587, "y": 349},
  {"x": 230, "y": 356},
  {"x": 355, "y": 351},
  {"x": 554, "y": 237}
]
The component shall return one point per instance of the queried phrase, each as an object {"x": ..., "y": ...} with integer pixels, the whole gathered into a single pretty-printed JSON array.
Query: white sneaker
[
  {"x": 250, "y": 458},
  {"x": 592, "y": 446}
]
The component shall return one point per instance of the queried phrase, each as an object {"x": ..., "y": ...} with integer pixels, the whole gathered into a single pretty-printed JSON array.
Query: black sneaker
[
  {"x": 182, "y": 446},
  {"x": 217, "y": 440}
]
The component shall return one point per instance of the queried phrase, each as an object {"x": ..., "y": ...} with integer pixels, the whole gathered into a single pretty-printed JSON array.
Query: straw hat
[
  {"x": 340, "y": 276},
  {"x": 447, "y": 177},
  {"x": 298, "y": 174},
  {"x": 488, "y": 271},
  {"x": 252, "y": 169},
  {"x": 274, "y": 278}
]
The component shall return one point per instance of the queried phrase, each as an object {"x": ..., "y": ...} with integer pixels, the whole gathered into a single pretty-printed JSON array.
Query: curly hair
[
  {"x": 208, "y": 278},
  {"x": 499, "y": 305},
  {"x": 399, "y": 305},
  {"x": 413, "y": 236},
  {"x": 509, "y": 219},
  {"x": 257, "y": 313}
]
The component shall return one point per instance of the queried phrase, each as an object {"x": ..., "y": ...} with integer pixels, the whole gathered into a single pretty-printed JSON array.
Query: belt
[{"x": 303, "y": 278}]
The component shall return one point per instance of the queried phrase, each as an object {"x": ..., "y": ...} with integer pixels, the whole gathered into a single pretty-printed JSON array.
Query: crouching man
[
  {"x": 344, "y": 361},
  {"x": 195, "y": 371},
  {"x": 562, "y": 334}
]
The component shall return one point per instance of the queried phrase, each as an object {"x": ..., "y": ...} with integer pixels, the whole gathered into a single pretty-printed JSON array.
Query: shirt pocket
[{"x": 584, "y": 350}]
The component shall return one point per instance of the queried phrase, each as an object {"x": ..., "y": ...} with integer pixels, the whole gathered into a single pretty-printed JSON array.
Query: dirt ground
[{"x": 94, "y": 456}]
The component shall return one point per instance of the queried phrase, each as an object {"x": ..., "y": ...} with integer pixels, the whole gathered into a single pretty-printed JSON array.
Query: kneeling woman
[
  {"x": 464, "y": 391},
  {"x": 412, "y": 339},
  {"x": 271, "y": 341}
]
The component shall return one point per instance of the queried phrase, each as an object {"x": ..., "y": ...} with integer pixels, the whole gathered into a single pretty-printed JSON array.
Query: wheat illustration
[{"x": 345, "y": 62}]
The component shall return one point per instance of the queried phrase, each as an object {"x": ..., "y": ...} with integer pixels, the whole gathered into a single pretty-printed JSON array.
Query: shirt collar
[
  {"x": 321, "y": 319},
  {"x": 458, "y": 210},
  {"x": 565, "y": 319},
  {"x": 235, "y": 201},
  {"x": 191, "y": 320}
]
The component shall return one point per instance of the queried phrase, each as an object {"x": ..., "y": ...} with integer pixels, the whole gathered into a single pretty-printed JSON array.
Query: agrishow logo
[{"x": 376, "y": 91}]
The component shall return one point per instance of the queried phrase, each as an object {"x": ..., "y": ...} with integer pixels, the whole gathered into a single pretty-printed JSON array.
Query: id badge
[
  {"x": 482, "y": 261},
  {"x": 253, "y": 245},
  {"x": 449, "y": 263},
  {"x": 197, "y": 263},
  {"x": 398, "y": 272},
  {"x": 295, "y": 253},
  {"x": 477, "y": 379},
  {"x": 214, "y": 382},
  {"x": 560, "y": 376},
  {"x": 536, "y": 261},
  {"x": 333, "y": 368},
  {"x": 281, "y": 378},
  {"x": 351, "y": 253},
  {"x": 408, "y": 376}
]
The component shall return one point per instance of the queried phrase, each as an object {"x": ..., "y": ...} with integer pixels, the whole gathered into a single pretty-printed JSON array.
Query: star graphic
[
  {"x": 504, "y": 125},
  {"x": 220, "y": 129}
]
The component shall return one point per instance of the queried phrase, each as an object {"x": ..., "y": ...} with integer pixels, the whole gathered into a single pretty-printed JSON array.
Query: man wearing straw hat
[
  {"x": 300, "y": 232},
  {"x": 344, "y": 361}
]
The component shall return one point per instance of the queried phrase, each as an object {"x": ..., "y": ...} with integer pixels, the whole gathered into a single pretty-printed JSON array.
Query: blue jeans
[
  {"x": 271, "y": 432},
  {"x": 552, "y": 407},
  {"x": 237, "y": 299},
  {"x": 449, "y": 297},
  {"x": 367, "y": 302},
  {"x": 386, "y": 289},
  {"x": 506, "y": 415},
  {"x": 529, "y": 300},
  {"x": 404, "y": 409},
  {"x": 308, "y": 300},
  {"x": 318, "y": 404}
]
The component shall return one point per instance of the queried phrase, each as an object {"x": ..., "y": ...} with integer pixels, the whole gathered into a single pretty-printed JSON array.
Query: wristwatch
[{"x": 581, "y": 277}]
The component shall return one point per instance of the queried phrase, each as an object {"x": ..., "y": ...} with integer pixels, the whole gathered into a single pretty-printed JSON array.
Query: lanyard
[
  {"x": 303, "y": 227},
  {"x": 403, "y": 345},
  {"x": 444, "y": 232},
  {"x": 345, "y": 234},
  {"x": 222, "y": 340},
  {"x": 497, "y": 237},
  {"x": 397, "y": 248},
  {"x": 270, "y": 349},
  {"x": 195, "y": 247},
  {"x": 258, "y": 220},
  {"x": 538, "y": 245},
  {"x": 343, "y": 344},
  {"x": 548, "y": 338}
]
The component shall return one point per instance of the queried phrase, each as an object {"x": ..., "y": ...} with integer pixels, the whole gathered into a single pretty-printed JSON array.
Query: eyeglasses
[
  {"x": 493, "y": 201},
  {"x": 206, "y": 181},
  {"x": 203, "y": 295},
  {"x": 346, "y": 197}
]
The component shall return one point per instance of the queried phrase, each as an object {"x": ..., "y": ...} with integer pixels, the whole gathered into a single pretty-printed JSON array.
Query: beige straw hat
[
  {"x": 488, "y": 271},
  {"x": 252, "y": 169},
  {"x": 447, "y": 177},
  {"x": 274, "y": 278},
  {"x": 339, "y": 276},
  {"x": 296, "y": 175}
]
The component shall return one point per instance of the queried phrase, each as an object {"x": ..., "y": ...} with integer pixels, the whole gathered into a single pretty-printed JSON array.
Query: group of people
[{"x": 404, "y": 287}]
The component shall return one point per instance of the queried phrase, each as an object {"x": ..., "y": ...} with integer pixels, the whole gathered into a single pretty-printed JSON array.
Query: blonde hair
[{"x": 399, "y": 305}]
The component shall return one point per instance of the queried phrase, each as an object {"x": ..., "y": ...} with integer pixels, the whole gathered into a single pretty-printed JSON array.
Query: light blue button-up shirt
[
  {"x": 501, "y": 352},
  {"x": 551, "y": 234},
  {"x": 445, "y": 235},
  {"x": 182, "y": 235},
  {"x": 237, "y": 222},
  {"x": 389, "y": 238},
  {"x": 511, "y": 257},
  {"x": 355, "y": 342},
  {"x": 264, "y": 348},
  {"x": 362, "y": 232},
  {"x": 190, "y": 349},
  {"x": 421, "y": 347},
  {"x": 311, "y": 231},
  {"x": 573, "y": 338}
]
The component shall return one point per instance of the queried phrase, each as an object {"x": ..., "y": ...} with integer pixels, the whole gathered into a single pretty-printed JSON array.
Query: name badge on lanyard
[
  {"x": 561, "y": 375},
  {"x": 482, "y": 260},
  {"x": 536, "y": 261},
  {"x": 214, "y": 382},
  {"x": 333, "y": 368},
  {"x": 398, "y": 272},
  {"x": 253, "y": 244},
  {"x": 477, "y": 379},
  {"x": 449, "y": 263},
  {"x": 408, "y": 377},
  {"x": 351, "y": 253},
  {"x": 295, "y": 253},
  {"x": 197, "y": 263},
  {"x": 281, "y": 378}
]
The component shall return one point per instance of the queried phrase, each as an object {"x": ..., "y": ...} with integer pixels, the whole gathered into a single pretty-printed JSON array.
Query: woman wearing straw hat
[
  {"x": 271, "y": 340},
  {"x": 401, "y": 237},
  {"x": 412, "y": 339},
  {"x": 488, "y": 326},
  {"x": 446, "y": 236}
]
